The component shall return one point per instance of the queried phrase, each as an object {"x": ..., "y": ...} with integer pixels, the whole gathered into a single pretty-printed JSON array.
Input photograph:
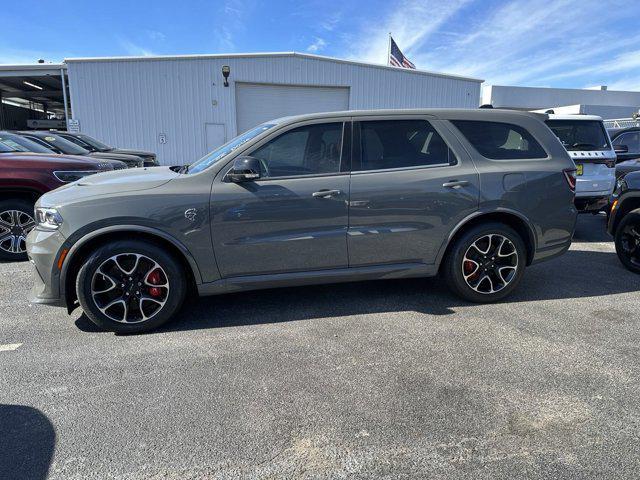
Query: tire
[
  {"x": 628, "y": 244},
  {"x": 16, "y": 221},
  {"x": 152, "y": 289},
  {"x": 504, "y": 274}
]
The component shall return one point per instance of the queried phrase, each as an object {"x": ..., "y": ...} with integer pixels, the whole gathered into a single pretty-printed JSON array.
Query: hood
[
  {"x": 128, "y": 159},
  {"x": 58, "y": 161},
  {"x": 109, "y": 183},
  {"x": 126, "y": 151}
]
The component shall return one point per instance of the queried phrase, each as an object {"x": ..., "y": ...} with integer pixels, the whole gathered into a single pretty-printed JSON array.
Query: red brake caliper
[
  {"x": 469, "y": 267},
  {"x": 155, "y": 278}
]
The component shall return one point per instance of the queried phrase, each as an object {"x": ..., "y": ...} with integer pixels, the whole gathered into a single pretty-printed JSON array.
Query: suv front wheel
[
  {"x": 130, "y": 286},
  {"x": 486, "y": 263}
]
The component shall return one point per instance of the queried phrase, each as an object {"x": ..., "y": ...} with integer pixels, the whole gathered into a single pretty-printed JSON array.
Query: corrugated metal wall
[{"x": 129, "y": 103}]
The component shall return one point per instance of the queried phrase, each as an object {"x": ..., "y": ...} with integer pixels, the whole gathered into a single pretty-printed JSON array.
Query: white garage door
[{"x": 257, "y": 103}]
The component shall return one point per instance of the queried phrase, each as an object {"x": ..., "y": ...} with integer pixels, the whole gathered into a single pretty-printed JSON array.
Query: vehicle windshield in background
[
  {"x": 88, "y": 142},
  {"x": 4, "y": 148},
  {"x": 21, "y": 144},
  {"x": 64, "y": 145},
  {"x": 578, "y": 135},
  {"x": 212, "y": 157}
]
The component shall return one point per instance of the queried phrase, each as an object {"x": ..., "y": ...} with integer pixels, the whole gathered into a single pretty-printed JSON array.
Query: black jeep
[{"x": 624, "y": 221}]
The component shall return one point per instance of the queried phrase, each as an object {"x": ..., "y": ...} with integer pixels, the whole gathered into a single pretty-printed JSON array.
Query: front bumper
[{"x": 43, "y": 247}]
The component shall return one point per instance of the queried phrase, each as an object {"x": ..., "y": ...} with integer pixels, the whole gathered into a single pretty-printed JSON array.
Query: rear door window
[
  {"x": 500, "y": 141},
  {"x": 389, "y": 144}
]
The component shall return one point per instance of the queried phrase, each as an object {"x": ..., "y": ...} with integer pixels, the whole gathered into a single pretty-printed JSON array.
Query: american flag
[{"x": 396, "y": 58}]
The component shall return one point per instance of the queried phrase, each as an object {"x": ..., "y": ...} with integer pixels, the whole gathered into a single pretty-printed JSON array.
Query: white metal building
[
  {"x": 597, "y": 101},
  {"x": 180, "y": 108}
]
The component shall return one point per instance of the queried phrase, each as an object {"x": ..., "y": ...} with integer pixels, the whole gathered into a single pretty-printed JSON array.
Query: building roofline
[
  {"x": 268, "y": 54},
  {"x": 560, "y": 88}
]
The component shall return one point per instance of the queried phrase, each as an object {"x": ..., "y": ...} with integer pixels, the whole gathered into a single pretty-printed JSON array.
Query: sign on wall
[{"x": 73, "y": 125}]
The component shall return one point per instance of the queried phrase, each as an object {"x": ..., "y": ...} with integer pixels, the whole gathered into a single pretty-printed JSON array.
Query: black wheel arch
[
  {"x": 79, "y": 249},
  {"x": 513, "y": 219},
  {"x": 628, "y": 202}
]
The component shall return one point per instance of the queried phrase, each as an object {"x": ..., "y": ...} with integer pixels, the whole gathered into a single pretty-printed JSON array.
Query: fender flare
[
  {"x": 481, "y": 213},
  {"x": 82, "y": 240}
]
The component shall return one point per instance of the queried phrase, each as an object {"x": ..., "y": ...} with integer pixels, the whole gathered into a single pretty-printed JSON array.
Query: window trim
[
  {"x": 357, "y": 146},
  {"x": 637, "y": 132},
  {"x": 464, "y": 138}
]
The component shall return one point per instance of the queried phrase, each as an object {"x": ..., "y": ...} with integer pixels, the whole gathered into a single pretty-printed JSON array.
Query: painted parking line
[{"x": 9, "y": 347}]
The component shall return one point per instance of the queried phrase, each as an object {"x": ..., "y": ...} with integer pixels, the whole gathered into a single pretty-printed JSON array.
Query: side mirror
[
  {"x": 620, "y": 149},
  {"x": 245, "y": 169}
]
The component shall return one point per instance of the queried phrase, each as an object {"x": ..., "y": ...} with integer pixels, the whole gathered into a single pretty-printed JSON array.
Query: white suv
[{"x": 589, "y": 146}]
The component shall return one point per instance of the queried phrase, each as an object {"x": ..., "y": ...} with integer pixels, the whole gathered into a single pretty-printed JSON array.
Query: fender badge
[{"x": 191, "y": 214}]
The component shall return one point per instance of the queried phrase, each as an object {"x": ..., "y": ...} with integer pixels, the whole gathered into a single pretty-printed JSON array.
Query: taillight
[{"x": 570, "y": 176}]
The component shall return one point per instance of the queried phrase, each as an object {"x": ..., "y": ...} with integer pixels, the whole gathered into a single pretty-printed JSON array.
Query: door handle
[
  {"x": 455, "y": 183},
  {"x": 325, "y": 193}
]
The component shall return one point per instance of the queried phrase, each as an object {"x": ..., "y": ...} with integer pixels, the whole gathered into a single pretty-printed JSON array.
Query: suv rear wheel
[
  {"x": 130, "y": 286},
  {"x": 628, "y": 241},
  {"x": 16, "y": 221},
  {"x": 486, "y": 263}
]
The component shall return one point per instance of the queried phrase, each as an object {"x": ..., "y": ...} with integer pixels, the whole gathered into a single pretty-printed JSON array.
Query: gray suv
[{"x": 475, "y": 195}]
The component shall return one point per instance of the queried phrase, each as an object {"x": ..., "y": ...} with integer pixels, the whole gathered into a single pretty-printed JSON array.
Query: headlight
[
  {"x": 72, "y": 175},
  {"x": 48, "y": 218}
]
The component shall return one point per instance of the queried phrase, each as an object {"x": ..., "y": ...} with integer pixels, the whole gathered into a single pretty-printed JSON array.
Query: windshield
[
  {"x": 5, "y": 148},
  {"x": 65, "y": 146},
  {"x": 578, "y": 135},
  {"x": 212, "y": 157},
  {"x": 21, "y": 144},
  {"x": 97, "y": 144}
]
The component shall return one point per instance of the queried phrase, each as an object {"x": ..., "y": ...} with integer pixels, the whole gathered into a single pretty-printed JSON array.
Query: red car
[{"x": 23, "y": 178}]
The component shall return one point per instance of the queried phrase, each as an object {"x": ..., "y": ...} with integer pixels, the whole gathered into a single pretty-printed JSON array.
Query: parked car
[
  {"x": 587, "y": 142},
  {"x": 94, "y": 145},
  {"x": 624, "y": 221},
  {"x": 60, "y": 145},
  {"x": 23, "y": 178},
  {"x": 19, "y": 143},
  {"x": 626, "y": 142},
  {"x": 476, "y": 195}
]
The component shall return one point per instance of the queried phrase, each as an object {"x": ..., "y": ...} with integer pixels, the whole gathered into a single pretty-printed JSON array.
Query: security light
[{"x": 226, "y": 70}]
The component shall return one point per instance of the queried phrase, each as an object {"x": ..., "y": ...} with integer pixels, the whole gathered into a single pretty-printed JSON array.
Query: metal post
[
  {"x": 389, "y": 50},
  {"x": 64, "y": 97}
]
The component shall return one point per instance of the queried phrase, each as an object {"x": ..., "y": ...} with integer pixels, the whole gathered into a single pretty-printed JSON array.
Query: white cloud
[
  {"x": 411, "y": 24},
  {"x": 156, "y": 35},
  {"x": 529, "y": 42},
  {"x": 134, "y": 49},
  {"x": 317, "y": 46}
]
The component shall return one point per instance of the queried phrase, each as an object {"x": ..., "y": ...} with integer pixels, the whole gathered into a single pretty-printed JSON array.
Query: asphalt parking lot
[{"x": 393, "y": 379}]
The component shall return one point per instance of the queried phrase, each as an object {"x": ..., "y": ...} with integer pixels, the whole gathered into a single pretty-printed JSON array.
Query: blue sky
[{"x": 562, "y": 43}]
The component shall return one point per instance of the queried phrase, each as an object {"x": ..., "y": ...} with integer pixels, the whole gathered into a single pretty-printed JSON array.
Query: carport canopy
[{"x": 37, "y": 86}]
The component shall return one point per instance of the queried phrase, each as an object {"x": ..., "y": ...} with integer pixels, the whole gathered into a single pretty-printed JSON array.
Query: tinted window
[
  {"x": 578, "y": 135},
  {"x": 25, "y": 144},
  {"x": 402, "y": 143},
  {"x": 308, "y": 150},
  {"x": 65, "y": 146},
  {"x": 631, "y": 140},
  {"x": 500, "y": 141}
]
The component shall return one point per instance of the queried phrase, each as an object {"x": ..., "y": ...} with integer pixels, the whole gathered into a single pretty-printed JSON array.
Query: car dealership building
[{"x": 181, "y": 107}]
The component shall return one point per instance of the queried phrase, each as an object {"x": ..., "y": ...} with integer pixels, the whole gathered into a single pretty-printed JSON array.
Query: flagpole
[{"x": 389, "y": 50}]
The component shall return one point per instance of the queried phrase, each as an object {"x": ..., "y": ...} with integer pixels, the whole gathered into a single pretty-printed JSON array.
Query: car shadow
[
  {"x": 27, "y": 443},
  {"x": 591, "y": 228},
  {"x": 577, "y": 274}
]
